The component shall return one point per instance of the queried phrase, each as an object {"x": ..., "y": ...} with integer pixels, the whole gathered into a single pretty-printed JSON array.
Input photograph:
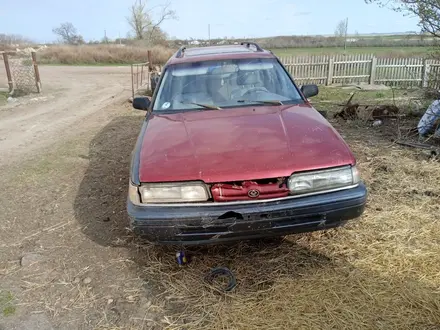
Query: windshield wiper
[
  {"x": 206, "y": 106},
  {"x": 273, "y": 102}
]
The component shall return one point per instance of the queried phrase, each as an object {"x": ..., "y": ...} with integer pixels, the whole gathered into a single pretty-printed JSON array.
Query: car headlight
[
  {"x": 173, "y": 192},
  {"x": 323, "y": 180}
]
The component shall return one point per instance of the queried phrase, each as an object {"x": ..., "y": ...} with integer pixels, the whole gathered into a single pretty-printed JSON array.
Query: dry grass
[
  {"x": 102, "y": 54},
  {"x": 380, "y": 272}
]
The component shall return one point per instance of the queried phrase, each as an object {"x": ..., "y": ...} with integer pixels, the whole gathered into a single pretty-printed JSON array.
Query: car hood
[{"x": 239, "y": 144}]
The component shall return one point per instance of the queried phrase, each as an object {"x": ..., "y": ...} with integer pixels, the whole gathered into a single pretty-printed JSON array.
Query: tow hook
[{"x": 323, "y": 221}]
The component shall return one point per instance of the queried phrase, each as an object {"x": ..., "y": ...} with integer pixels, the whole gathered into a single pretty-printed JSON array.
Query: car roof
[{"x": 210, "y": 53}]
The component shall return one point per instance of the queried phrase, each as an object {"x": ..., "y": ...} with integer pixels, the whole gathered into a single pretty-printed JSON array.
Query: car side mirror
[
  {"x": 310, "y": 90},
  {"x": 141, "y": 103}
]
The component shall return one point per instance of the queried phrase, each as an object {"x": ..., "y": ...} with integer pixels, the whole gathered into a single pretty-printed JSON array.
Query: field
[
  {"x": 378, "y": 51},
  {"x": 67, "y": 260},
  {"x": 114, "y": 54},
  {"x": 101, "y": 55}
]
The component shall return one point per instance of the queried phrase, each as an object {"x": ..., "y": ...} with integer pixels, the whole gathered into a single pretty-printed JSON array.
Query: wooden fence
[
  {"x": 141, "y": 74},
  {"x": 22, "y": 72},
  {"x": 364, "y": 68},
  {"x": 140, "y": 77}
]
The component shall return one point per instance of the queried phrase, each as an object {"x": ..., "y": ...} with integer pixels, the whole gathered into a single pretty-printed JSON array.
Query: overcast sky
[{"x": 232, "y": 18}]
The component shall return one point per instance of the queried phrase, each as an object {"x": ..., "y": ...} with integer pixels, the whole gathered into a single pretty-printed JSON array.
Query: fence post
[
  {"x": 150, "y": 68},
  {"x": 132, "y": 82},
  {"x": 373, "y": 70},
  {"x": 150, "y": 60},
  {"x": 37, "y": 72},
  {"x": 425, "y": 73},
  {"x": 148, "y": 78},
  {"x": 8, "y": 72},
  {"x": 331, "y": 64}
]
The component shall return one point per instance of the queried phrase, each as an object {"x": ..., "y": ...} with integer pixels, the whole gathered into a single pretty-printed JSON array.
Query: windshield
[{"x": 223, "y": 84}]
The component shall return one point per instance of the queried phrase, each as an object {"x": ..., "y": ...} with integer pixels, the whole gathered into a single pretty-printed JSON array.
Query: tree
[
  {"x": 428, "y": 12},
  {"x": 143, "y": 26},
  {"x": 341, "y": 29},
  {"x": 68, "y": 34}
]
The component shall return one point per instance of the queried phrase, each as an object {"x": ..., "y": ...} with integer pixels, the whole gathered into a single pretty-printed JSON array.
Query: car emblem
[{"x": 253, "y": 193}]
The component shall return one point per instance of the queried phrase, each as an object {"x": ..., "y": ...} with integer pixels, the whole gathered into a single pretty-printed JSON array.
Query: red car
[{"x": 231, "y": 149}]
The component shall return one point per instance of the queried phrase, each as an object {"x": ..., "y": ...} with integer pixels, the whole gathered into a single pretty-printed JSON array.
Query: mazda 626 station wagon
[{"x": 231, "y": 149}]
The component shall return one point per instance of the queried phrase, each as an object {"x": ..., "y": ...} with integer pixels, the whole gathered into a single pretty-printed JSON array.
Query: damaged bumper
[{"x": 219, "y": 223}]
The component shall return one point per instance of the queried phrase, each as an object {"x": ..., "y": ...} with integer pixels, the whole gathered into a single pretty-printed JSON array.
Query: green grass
[
  {"x": 378, "y": 51},
  {"x": 331, "y": 98},
  {"x": 7, "y": 306},
  {"x": 3, "y": 97},
  {"x": 337, "y": 94}
]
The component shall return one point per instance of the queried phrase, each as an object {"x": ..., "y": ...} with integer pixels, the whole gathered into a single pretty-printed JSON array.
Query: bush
[{"x": 105, "y": 54}]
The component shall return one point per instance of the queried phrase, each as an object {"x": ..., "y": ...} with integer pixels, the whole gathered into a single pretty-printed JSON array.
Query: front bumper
[{"x": 219, "y": 223}]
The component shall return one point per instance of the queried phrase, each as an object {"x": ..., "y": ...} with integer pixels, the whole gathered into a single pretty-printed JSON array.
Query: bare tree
[
  {"x": 139, "y": 19},
  {"x": 166, "y": 13},
  {"x": 68, "y": 34},
  {"x": 11, "y": 41},
  {"x": 341, "y": 29},
  {"x": 143, "y": 25},
  {"x": 428, "y": 12}
]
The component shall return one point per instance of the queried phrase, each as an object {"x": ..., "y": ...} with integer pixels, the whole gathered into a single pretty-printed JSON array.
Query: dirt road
[{"x": 71, "y": 95}]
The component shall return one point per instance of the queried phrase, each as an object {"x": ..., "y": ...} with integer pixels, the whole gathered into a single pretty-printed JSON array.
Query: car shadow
[{"x": 100, "y": 204}]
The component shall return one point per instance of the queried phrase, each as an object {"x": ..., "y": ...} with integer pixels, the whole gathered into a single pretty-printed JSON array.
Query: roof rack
[
  {"x": 251, "y": 43},
  {"x": 181, "y": 52}
]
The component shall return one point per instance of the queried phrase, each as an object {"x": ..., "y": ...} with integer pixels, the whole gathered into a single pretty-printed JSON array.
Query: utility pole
[
  {"x": 209, "y": 34},
  {"x": 105, "y": 36},
  {"x": 345, "y": 37}
]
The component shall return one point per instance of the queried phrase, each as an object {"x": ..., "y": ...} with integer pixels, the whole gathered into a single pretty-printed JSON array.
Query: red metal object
[
  {"x": 243, "y": 144},
  {"x": 248, "y": 190}
]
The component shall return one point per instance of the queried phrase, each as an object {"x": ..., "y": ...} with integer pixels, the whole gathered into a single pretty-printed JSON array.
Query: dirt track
[{"x": 71, "y": 95}]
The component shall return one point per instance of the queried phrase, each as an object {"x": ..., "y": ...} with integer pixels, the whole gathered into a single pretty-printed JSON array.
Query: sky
[{"x": 231, "y": 18}]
